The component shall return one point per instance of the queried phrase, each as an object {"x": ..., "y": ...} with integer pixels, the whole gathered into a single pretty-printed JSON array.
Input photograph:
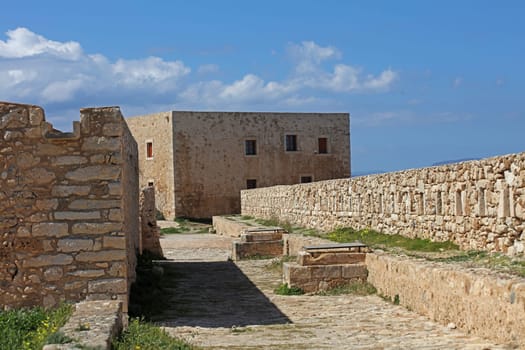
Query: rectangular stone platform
[{"x": 322, "y": 277}]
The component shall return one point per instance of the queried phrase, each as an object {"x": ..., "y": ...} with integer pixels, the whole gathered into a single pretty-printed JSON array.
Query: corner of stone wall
[{"x": 68, "y": 207}]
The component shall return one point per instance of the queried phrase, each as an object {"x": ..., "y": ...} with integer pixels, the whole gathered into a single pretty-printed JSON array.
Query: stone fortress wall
[
  {"x": 69, "y": 219},
  {"x": 198, "y": 161},
  {"x": 476, "y": 204}
]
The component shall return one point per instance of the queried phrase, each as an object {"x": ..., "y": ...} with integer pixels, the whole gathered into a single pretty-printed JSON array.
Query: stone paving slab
[{"x": 288, "y": 322}]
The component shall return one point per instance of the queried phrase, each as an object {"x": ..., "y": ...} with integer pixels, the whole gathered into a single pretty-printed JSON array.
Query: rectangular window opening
[
  {"x": 149, "y": 149},
  {"x": 306, "y": 179},
  {"x": 322, "y": 145},
  {"x": 291, "y": 143},
  {"x": 250, "y": 147},
  {"x": 459, "y": 204},
  {"x": 251, "y": 183},
  {"x": 439, "y": 203},
  {"x": 150, "y": 183}
]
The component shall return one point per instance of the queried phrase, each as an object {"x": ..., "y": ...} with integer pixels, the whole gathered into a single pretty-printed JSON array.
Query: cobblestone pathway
[{"x": 218, "y": 304}]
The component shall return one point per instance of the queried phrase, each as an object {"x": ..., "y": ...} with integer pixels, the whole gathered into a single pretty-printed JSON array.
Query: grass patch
[
  {"x": 145, "y": 336},
  {"x": 31, "y": 328},
  {"x": 172, "y": 230},
  {"x": 376, "y": 239},
  {"x": 355, "y": 288},
  {"x": 493, "y": 261},
  {"x": 284, "y": 289},
  {"x": 247, "y": 217},
  {"x": 275, "y": 222}
]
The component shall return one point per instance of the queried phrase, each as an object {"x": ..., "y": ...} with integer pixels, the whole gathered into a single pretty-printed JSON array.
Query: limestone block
[
  {"x": 48, "y": 149},
  {"x": 66, "y": 191},
  {"x": 76, "y": 285},
  {"x": 115, "y": 215},
  {"x": 39, "y": 176},
  {"x": 115, "y": 188},
  {"x": 46, "y": 204},
  {"x": 111, "y": 285},
  {"x": 76, "y": 215},
  {"x": 48, "y": 260},
  {"x": 26, "y": 160},
  {"x": 112, "y": 129},
  {"x": 87, "y": 273},
  {"x": 90, "y": 204},
  {"x": 96, "y": 228},
  {"x": 94, "y": 172},
  {"x": 69, "y": 160},
  {"x": 53, "y": 273},
  {"x": 326, "y": 271},
  {"x": 101, "y": 143},
  {"x": 306, "y": 258},
  {"x": 101, "y": 256},
  {"x": 354, "y": 271},
  {"x": 74, "y": 245},
  {"x": 114, "y": 242},
  {"x": 117, "y": 269},
  {"x": 50, "y": 229}
]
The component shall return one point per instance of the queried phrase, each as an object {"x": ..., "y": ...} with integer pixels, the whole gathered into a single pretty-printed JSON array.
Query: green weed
[
  {"x": 145, "y": 336},
  {"x": 284, "y": 289},
  {"x": 355, "y": 288},
  {"x": 376, "y": 239},
  {"x": 30, "y": 328}
]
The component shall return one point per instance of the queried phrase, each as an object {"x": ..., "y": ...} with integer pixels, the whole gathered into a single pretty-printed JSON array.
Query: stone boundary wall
[
  {"x": 477, "y": 301},
  {"x": 476, "y": 204},
  {"x": 68, "y": 207}
]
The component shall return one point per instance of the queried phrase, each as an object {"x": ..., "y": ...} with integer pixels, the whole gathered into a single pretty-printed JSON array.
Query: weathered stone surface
[
  {"x": 91, "y": 204},
  {"x": 87, "y": 273},
  {"x": 76, "y": 215},
  {"x": 74, "y": 245},
  {"x": 66, "y": 191},
  {"x": 48, "y": 260},
  {"x": 106, "y": 255},
  {"x": 39, "y": 176},
  {"x": 96, "y": 228},
  {"x": 53, "y": 274},
  {"x": 101, "y": 143},
  {"x": 94, "y": 172},
  {"x": 70, "y": 160},
  {"x": 114, "y": 242},
  {"x": 111, "y": 285},
  {"x": 50, "y": 229}
]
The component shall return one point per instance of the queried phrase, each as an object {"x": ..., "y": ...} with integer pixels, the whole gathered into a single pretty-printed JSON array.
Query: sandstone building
[{"x": 200, "y": 161}]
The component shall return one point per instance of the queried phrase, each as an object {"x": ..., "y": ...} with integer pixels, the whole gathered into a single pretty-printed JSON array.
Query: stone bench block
[
  {"x": 315, "y": 278},
  {"x": 314, "y": 258},
  {"x": 244, "y": 250}
]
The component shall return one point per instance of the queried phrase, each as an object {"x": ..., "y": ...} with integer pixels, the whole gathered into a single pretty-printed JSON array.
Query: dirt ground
[{"x": 220, "y": 304}]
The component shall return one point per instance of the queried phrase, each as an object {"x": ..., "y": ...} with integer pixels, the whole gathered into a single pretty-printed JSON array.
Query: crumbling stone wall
[
  {"x": 477, "y": 204},
  {"x": 68, "y": 207},
  {"x": 150, "y": 232}
]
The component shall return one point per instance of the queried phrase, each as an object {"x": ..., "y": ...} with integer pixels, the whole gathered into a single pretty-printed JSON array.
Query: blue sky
[{"x": 424, "y": 81}]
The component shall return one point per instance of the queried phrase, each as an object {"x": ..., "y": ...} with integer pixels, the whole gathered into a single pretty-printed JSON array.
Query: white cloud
[
  {"x": 149, "y": 70},
  {"x": 37, "y": 70},
  {"x": 22, "y": 42}
]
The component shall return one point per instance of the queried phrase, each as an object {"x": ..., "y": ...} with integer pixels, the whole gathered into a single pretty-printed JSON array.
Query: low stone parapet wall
[
  {"x": 477, "y": 301},
  {"x": 477, "y": 204}
]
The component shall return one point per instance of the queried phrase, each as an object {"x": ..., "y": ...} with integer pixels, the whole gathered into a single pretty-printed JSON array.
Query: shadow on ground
[{"x": 213, "y": 294}]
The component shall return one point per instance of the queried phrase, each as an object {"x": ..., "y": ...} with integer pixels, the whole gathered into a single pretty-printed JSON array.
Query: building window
[
  {"x": 250, "y": 147},
  {"x": 291, "y": 143},
  {"x": 322, "y": 145},
  {"x": 306, "y": 179},
  {"x": 251, "y": 183},
  {"x": 150, "y": 183},
  {"x": 149, "y": 150}
]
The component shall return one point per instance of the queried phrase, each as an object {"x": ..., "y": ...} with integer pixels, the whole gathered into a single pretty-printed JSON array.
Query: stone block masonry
[
  {"x": 69, "y": 226},
  {"x": 478, "y": 204}
]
